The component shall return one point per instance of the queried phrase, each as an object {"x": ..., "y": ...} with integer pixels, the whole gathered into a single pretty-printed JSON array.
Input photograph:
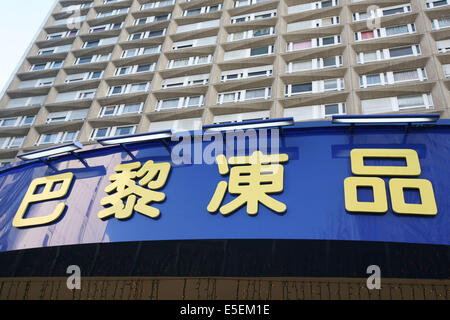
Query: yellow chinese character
[
  {"x": 124, "y": 191},
  {"x": 48, "y": 192},
  {"x": 397, "y": 186},
  {"x": 252, "y": 179}
]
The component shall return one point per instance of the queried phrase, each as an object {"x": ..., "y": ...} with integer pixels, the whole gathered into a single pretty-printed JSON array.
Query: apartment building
[{"x": 104, "y": 68}]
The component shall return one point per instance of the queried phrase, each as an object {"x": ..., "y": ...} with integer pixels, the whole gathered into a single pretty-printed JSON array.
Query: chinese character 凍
[{"x": 252, "y": 179}]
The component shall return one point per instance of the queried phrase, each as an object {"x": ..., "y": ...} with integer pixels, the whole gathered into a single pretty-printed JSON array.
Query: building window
[
  {"x": 182, "y": 102},
  {"x": 244, "y": 95},
  {"x": 301, "y": 88},
  {"x": 259, "y": 51},
  {"x": 59, "y": 137},
  {"x": 113, "y": 132},
  {"x": 334, "y": 109}
]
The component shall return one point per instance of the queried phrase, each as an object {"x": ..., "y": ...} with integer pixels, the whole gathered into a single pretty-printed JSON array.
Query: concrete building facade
[{"x": 114, "y": 67}]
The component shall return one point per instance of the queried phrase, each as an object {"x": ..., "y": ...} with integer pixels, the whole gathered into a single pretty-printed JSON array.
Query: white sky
[{"x": 19, "y": 22}]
